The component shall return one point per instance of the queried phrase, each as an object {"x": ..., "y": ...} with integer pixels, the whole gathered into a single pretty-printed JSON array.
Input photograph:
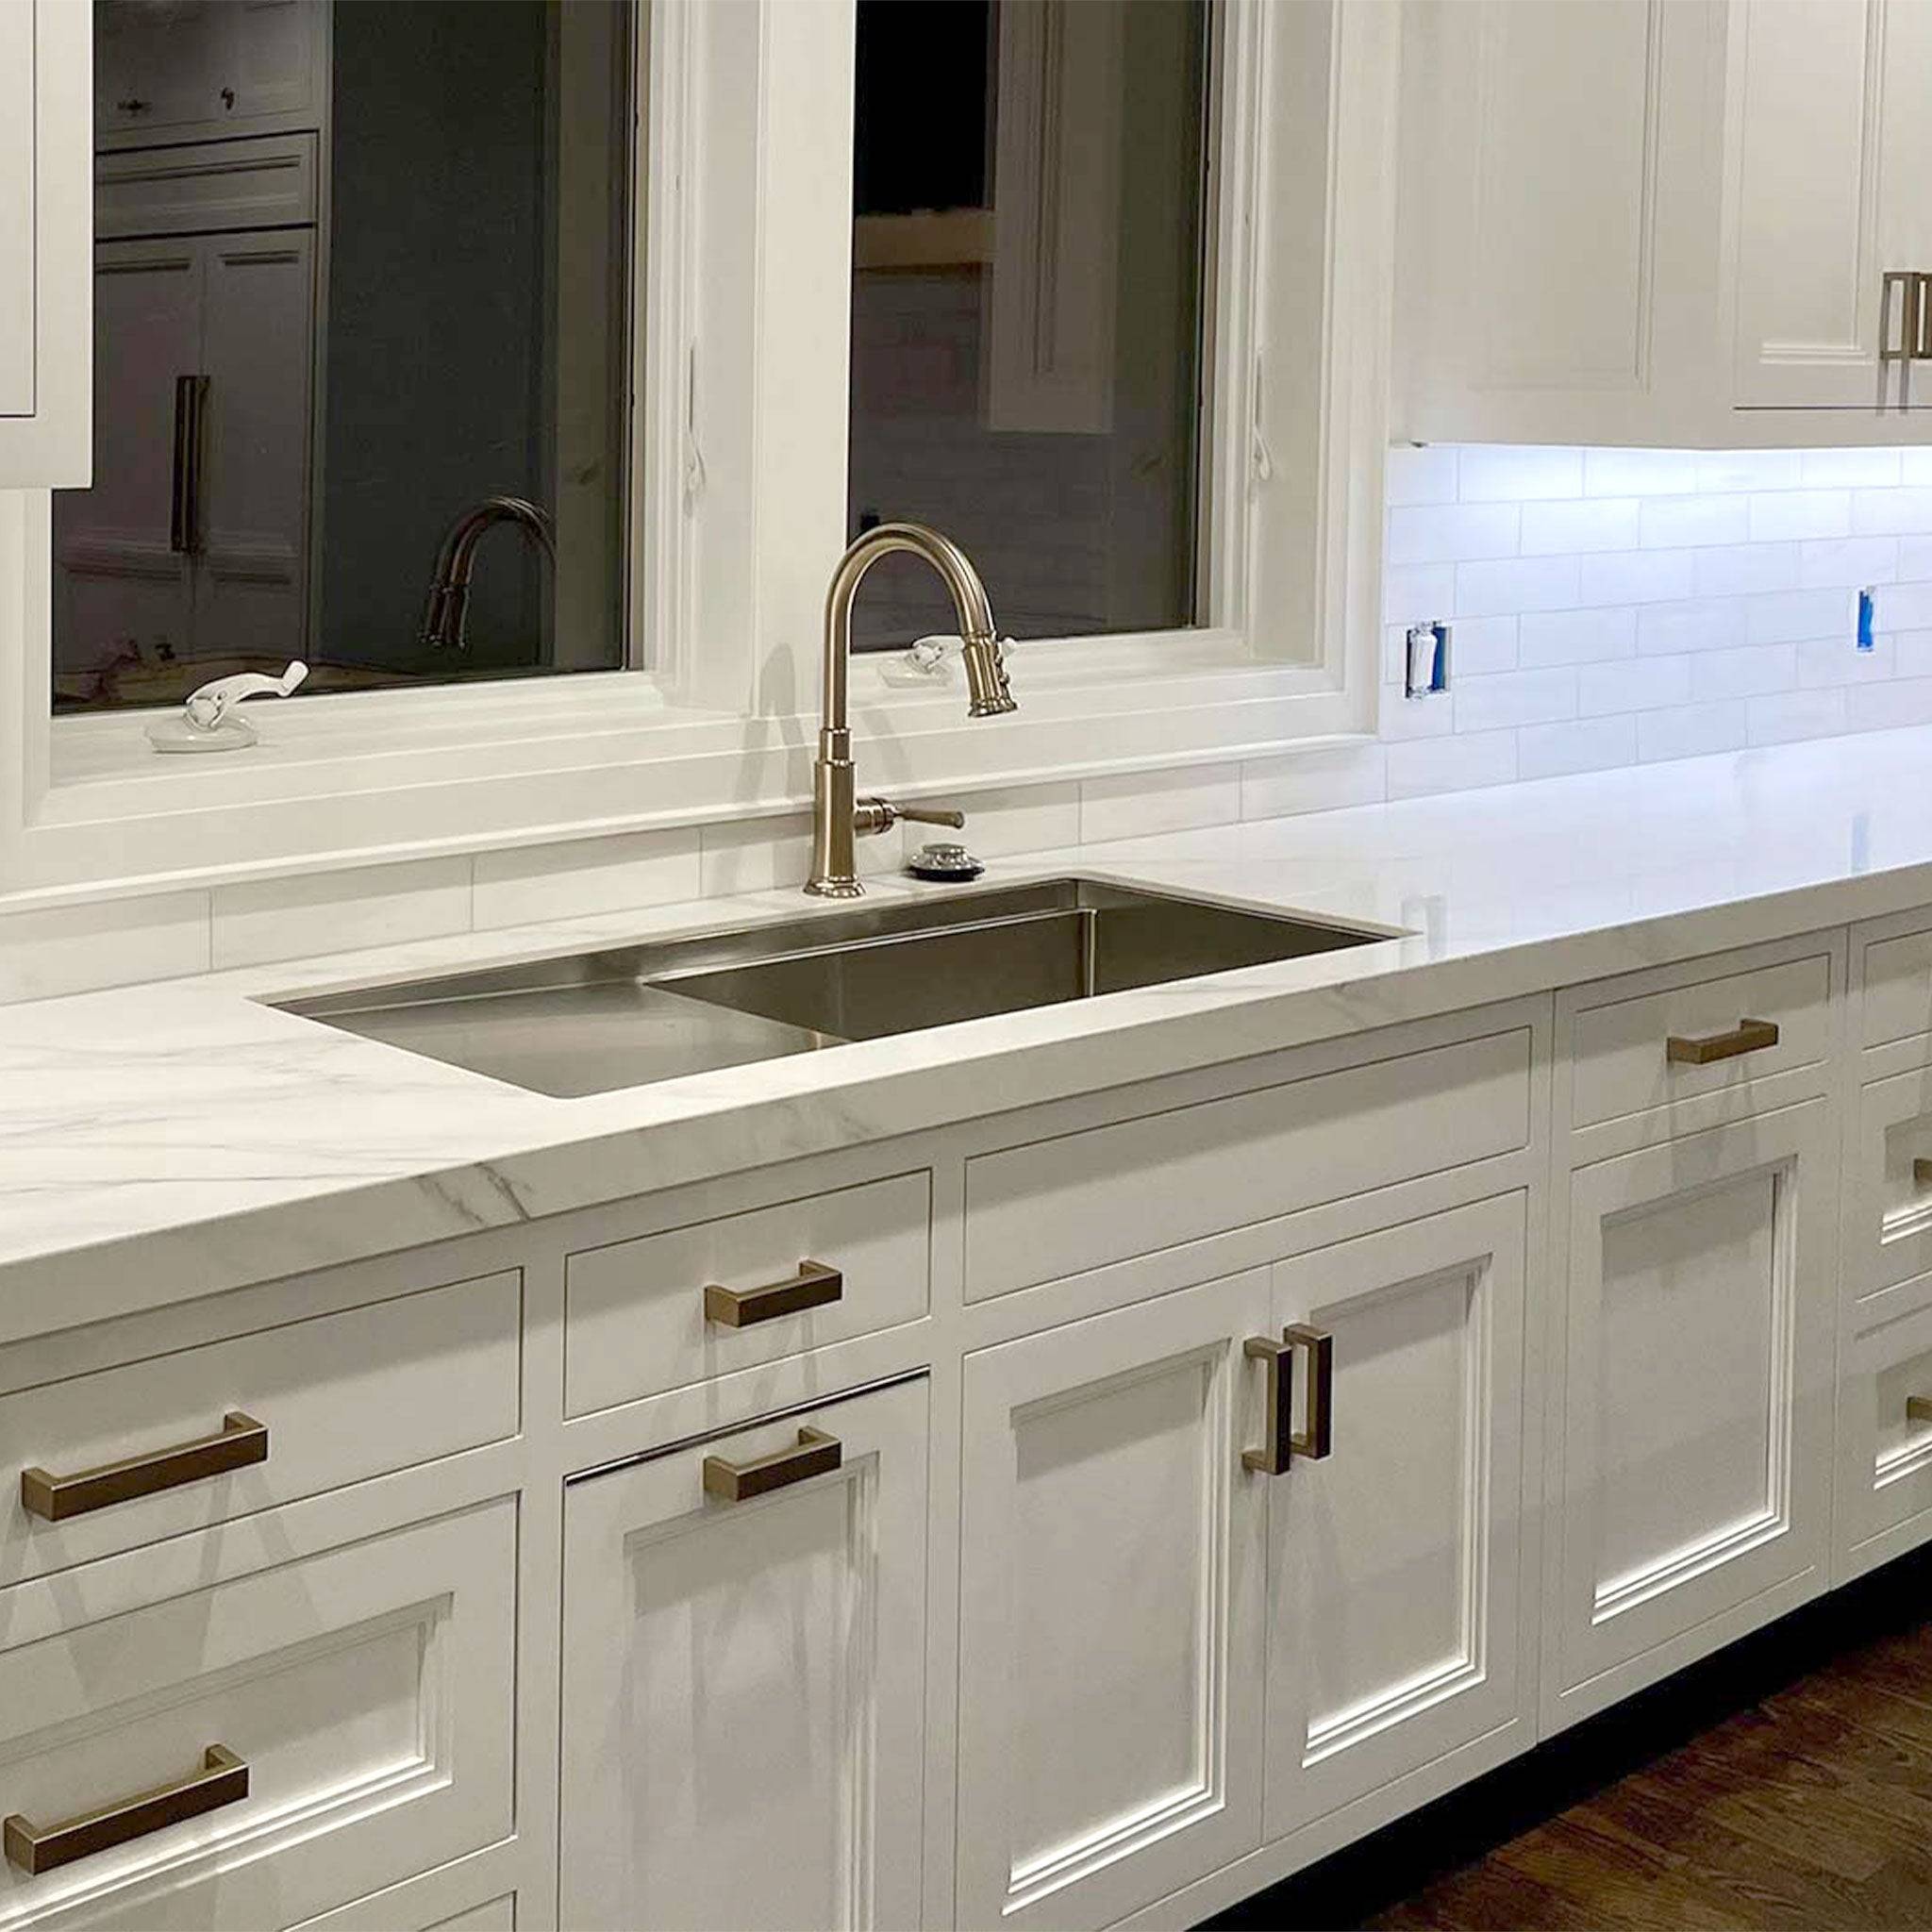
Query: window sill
[{"x": 356, "y": 778}]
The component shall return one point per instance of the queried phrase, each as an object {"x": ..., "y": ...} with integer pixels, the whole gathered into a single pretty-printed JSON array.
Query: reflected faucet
[
  {"x": 838, "y": 816},
  {"x": 448, "y": 608}
]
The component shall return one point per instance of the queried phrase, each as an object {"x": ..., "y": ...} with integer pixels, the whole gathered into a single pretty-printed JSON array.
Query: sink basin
[{"x": 595, "y": 1022}]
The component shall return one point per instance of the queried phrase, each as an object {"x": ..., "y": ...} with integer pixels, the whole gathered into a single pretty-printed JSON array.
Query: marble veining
[{"x": 179, "y": 1137}]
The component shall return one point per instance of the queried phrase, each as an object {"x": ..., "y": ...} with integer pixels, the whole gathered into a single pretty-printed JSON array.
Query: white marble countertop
[{"x": 175, "y": 1139}]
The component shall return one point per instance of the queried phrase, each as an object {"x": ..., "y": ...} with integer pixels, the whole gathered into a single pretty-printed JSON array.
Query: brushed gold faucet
[{"x": 838, "y": 816}]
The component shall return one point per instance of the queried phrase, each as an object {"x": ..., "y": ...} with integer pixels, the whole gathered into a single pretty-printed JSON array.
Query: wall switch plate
[{"x": 1425, "y": 659}]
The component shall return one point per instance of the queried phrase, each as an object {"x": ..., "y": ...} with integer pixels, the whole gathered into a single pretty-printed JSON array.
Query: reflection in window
[
  {"x": 1027, "y": 304},
  {"x": 362, "y": 269}
]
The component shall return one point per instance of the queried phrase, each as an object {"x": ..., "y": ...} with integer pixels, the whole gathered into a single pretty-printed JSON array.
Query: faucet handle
[{"x": 875, "y": 815}]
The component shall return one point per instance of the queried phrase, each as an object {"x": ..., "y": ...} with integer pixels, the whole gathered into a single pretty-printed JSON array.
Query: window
[
  {"x": 361, "y": 328},
  {"x": 1028, "y": 303}
]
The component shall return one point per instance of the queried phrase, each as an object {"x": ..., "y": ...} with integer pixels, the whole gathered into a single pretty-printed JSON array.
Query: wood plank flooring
[{"x": 1786, "y": 1785}]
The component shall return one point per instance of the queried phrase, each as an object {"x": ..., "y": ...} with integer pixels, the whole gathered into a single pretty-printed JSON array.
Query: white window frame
[{"x": 739, "y": 494}]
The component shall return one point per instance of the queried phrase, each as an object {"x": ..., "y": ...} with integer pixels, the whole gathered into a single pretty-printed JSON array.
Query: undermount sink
[{"x": 593, "y": 1022}]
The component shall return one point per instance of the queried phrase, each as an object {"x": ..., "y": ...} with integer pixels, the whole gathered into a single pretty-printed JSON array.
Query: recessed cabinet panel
[
  {"x": 743, "y": 1684},
  {"x": 368, "y": 1690},
  {"x": 1697, "y": 1398},
  {"x": 1394, "y": 1584},
  {"x": 1110, "y": 1614}
]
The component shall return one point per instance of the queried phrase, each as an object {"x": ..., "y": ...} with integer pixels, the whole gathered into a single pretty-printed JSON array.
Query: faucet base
[{"x": 835, "y": 889}]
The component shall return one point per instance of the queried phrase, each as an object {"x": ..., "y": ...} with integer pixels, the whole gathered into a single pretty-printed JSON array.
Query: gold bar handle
[
  {"x": 1277, "y": 1452},
  {"x": 816, "y": 1454},
  {"x": 813, "y": 1287},
  {"x": 1921, "y": 1171},
  {"x": 1318, "y": 1438},
  {"x": 1699, "y": 1050},
  {"x": 1919, "y": 1409},
  {"x": 222, "y": 1779},
  {"x": 240, "y": 1442}
]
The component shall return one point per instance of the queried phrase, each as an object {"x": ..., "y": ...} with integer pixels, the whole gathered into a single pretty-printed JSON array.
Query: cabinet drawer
[
  {"x": 1622, "y": 1055},
  {"x": 1897, "y": 1002},
  {"x": 1887, "y": 1187},
  {"x": 1885, "y": 1437},
  {"x": 1084, "y": 1200},
  {"x": 340, "y": 1396},
  {"x": 367, "y": 1690},
  {"x": 206, "y": 187},
  {"x": 676, "y": 1307}
]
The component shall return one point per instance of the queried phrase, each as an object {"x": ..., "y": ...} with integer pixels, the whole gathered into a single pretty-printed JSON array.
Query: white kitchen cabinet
[
  {"x": 46, "y": 224},
  {"x": 1830, "y": 150},
  {"x": 1660, "y": 221},
  {"x": 1395, "y": 1586},
  {"x": 743, "y": 1679},
  {"x": 1691, "y": 1490},
  {"x": 1111, "y": 1621}
]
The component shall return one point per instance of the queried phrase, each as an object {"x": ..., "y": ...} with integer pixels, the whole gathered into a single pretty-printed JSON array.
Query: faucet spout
[
  {"x": 447, "y": 610},
  {"x": 837, "y": 817}
]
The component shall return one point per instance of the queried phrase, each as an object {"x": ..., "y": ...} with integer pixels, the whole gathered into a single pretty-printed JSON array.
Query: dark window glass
[
  {"x": 1027, "y": 304},
  {"x": 361, "y": 269}
]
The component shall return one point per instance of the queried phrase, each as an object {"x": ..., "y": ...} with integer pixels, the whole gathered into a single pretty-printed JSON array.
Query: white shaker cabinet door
[
  {"x": 1696, "y": 1401},
  {"x": 46, "y": 232},
  {"x": 1395, "y": 1586},
  {"x": 743, "y": 1679},
  {"x": 1110, "y": 1609},
  {"x": 1829, "y": 151}
]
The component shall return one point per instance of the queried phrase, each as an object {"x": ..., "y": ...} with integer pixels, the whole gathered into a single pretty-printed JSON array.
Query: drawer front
[
  {"x": 1897, "y": 1002},
  {"x": 341, "y": 1397},
  {"x": 211, "y": 186},
  {"x": 1625, "y": 1061},
  {"x": 1055, "y": 1207},
  {"x": 367, "y": 1690},
  {"x": 1888, "y": 1191},
  {"x": 1884, "y": 1438},
  {"x": 672, "y": 1309}
]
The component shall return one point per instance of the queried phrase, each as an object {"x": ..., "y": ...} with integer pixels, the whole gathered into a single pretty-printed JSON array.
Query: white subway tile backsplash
[
  {"x": 1515, "y": 697},
  {"x": 1744, "y": 674},
  {"x": 1319, "y": 780},
  {"x": 1576, "y": 637},
  {"x": 1637, "y": 577},
  {"x": 1421, "y": 472},
  {"x": 1689, "y": 731},
  {"x": 1643, "y": 684},
  {"x": 1794, "y": 714},
  {"x": 1676, "y": 523},
  {"x": 1135, "y": 804},
  {"x": 1591, "y": 524},
  {"x": 57, "y": 949},
  {"x": 1456, "y": 763},
  {"x": 1852, "y": 561},
  {"x": 1014, "y": 819},
  {"x": 1495, "y": 473},
  {"x": 1582, "y": 745},
  {"x": 1781, "y": 516},
  {"x": 1702, "y": 623},
  {"x": 1689, "y": 602},
  {"x": 262, "y": 920},
  {"x": 584, "y": 876},
  {"x": 1519, "y": 584},
  {"x": 1418, "y": 592}
]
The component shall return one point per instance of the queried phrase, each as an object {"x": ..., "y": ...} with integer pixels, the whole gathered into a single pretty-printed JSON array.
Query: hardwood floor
[{"x": 1786, "y": 1785}]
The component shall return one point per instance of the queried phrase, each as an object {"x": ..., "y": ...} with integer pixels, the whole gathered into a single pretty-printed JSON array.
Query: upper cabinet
[
  {"x": 45, "y": 227},
  {"x": 1665, "y": 221},
  {"x": 173, "y": 73}
]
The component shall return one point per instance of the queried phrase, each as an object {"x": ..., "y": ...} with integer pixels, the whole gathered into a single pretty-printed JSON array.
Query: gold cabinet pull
[
  {"x": 1921, "y": 1171},
  {"x": 1919, "y": 1409},
  {"x": 240, "y": 1441},
  {"x": 816, "y": 1454},
  {"x": 222, "y": 1779},
  {"x": 1284, "y": 1442},
  {"x": 1699, "y": 1050},
  {"x": 813, "y": 1287}
]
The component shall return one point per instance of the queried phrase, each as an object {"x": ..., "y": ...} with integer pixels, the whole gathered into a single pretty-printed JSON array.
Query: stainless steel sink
[{"x": 593, "y": 1022}]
